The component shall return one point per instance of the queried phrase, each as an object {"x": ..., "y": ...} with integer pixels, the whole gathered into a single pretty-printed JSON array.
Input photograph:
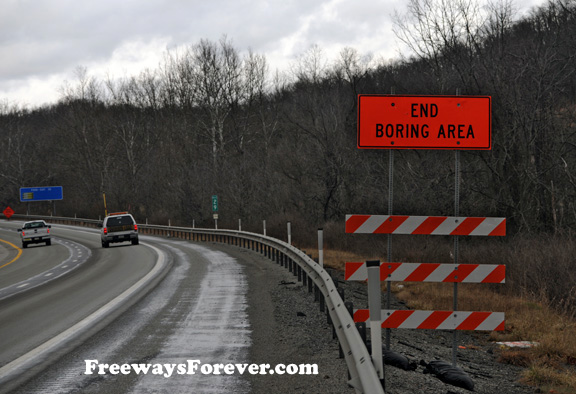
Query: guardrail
[{"x": 363, "y": 376}]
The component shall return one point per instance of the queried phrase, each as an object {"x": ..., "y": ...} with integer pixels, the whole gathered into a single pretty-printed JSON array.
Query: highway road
[
  {"x": 55, "y": 292},
  {"x": 193, "y": 306}
]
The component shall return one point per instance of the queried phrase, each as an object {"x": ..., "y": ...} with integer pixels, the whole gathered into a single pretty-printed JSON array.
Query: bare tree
[{"x": 443, "y": 33}]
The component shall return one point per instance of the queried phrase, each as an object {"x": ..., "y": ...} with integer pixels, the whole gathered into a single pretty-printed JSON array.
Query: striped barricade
[
  {"x": 436, "y": 320},
  {"x": 428, "y": 272},
  {"x": 425, "y": 225}
]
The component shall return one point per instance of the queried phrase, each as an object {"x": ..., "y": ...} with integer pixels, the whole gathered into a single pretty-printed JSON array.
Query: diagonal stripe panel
[
  {"x": 461, "y": 272},
  {"x": 434, "y": 320},
  {"x": 393, "y": 319},
  {"x": 495, "y": 321},
  {"x": 437, "y": 320},
  {"x": 430, "y": 225},
  {"x": 441, "y": 273},
  {"x": 487, "y": 226},
  {"x": 355, "y": 270},
  {"x": 410, "y": 224},
  {"x": 497, "y": 275},
  {"x": 414, "y": 320},
  {"x": 400, "y": 271},
  {"x": 467, "y": 226},
  {"x": 390, "y": 225},
  {"x": 388, "y": 271},
  {"x": 448, "y": 226},
  {"x": 453, "y": 321},
  {"x": 490, "y": 225},
  {"x": 421, "y": 272},
  {"x": 430, "y": 272},
  {"x": 361, "y": 315},
  {"x": 473, "y": 321},
  {"x": 353, "y": 222},
  {"x": 500, "y": 230}
]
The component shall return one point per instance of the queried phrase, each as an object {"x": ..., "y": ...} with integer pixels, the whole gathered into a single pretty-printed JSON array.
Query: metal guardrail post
[{"x": 375, "y": 305}]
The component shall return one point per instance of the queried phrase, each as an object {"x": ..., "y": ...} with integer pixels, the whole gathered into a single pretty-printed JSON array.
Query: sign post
[
  {"x": 215, "y": 210},
  {"x": 321, "y": 247},
  {"x": 105, "y": 207}
]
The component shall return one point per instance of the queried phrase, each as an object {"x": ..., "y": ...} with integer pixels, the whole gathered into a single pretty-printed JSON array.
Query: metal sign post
[
  {"x": 456, "y": 214},
  {"x": 105, "y": 207},
  {"x": 321, "y": 247},
  {"x": 389, "y": 246},
  {"x": 215, "y": 210},
  {"x": 389, "y": 249}
]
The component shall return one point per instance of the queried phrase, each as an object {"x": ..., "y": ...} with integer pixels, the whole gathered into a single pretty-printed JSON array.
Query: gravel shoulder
[{"x": 288, "y": 328}]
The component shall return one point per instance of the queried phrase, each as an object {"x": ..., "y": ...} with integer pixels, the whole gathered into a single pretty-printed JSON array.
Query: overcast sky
[{"x": 42, "y": 42}]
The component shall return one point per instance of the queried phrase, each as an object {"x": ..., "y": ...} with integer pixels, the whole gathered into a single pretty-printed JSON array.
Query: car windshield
[
  {"x": 119, "y": 221},
  {"x": 34, "y": 225}
]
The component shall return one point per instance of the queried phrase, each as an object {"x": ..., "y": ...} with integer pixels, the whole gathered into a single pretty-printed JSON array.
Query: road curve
[
  {"x": 197, "y": 312},
  {"x": 217, "y": 304},
  {"x": 43, "y": 322}
]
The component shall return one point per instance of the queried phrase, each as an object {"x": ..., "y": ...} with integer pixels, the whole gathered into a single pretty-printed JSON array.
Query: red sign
[
  {"x": 424, "y": 122},
  {"x": 8, "y": 212}
]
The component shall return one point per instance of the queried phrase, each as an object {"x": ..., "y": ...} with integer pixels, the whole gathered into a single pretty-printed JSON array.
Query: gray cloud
[{"x": 41, "y": 39}]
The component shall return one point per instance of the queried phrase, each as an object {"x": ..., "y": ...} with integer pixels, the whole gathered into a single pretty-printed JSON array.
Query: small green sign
[{"x": 214, "y": 203}]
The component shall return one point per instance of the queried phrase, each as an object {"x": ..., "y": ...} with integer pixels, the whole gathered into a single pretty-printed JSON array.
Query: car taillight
[
  {"x": 48, "y": 230},
  {"x": 105, "y": 230},
  {"x": 23, "y": 234},
  {"x": 135, "y": 227}
]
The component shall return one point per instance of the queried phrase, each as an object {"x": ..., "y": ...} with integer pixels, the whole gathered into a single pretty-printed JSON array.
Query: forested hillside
[{"x": 282, "y": 145}]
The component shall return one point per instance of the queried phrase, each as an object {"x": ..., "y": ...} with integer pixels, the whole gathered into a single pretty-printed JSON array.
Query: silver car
[{"x": 119, "y": 227}]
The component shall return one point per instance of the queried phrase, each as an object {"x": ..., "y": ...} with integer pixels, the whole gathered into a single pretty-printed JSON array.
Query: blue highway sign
[{"x": 42, "y": 193}]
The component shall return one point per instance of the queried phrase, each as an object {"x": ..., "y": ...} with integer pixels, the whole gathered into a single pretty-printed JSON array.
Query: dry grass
[
  {"x": 550, "y": 379},
  {"x": 551, "y": 365}
]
